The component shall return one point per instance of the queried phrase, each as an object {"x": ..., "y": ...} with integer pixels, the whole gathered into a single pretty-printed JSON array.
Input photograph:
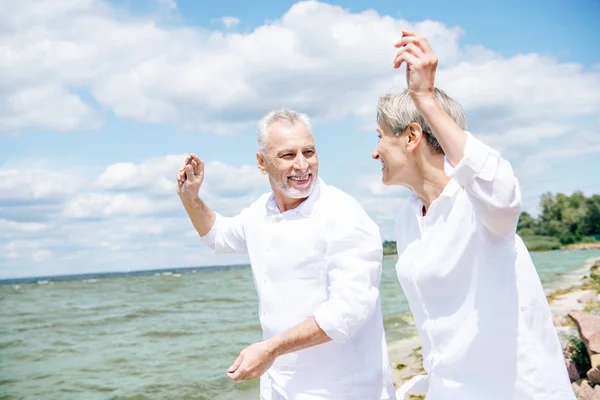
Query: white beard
[{"x": 291, "y": 192}]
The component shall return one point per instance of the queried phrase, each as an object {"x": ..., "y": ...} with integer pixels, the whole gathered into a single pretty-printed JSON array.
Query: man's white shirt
[{"x": 321, "y": 259}]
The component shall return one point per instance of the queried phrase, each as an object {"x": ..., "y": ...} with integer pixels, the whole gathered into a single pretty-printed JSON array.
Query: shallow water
[{"x": 149, "y": 336}]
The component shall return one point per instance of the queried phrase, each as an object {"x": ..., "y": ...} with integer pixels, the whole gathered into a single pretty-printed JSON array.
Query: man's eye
[
  {"x": 287, "y": 156},
  {"x": 309, "y": 152}
]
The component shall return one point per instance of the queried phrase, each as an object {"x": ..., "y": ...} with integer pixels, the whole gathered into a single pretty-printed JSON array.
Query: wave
[{"x": 166, "y": 334}]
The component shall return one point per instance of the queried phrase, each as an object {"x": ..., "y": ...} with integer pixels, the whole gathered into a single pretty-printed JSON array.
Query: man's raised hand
[{"x": 190, "y": 176}]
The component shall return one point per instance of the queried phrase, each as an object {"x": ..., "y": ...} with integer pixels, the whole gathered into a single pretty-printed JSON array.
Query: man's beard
[{"x": 291, "y": 192}]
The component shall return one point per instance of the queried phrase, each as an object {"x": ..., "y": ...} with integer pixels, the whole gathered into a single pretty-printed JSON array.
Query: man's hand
[
  {"x": 252, "y": 362},
  {"x": 190, "y": 177},
  {"x": 421, "y": 64}
]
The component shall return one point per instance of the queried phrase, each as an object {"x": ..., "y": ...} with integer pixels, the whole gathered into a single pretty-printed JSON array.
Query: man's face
[{"x": 290, "y": 160}]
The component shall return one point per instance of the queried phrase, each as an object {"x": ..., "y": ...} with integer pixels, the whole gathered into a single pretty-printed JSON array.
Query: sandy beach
[{"x": 572, "y": 293}]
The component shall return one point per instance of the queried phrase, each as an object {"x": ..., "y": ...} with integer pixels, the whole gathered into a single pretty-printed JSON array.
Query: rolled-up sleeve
[
  {"x": 354, "y": 256},
  {"x": 227, "y": 234},
  {"x": 491, "y": 184}
]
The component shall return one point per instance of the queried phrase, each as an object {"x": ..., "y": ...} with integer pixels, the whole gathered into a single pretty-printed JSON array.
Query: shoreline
[
  {"x": 569, "y": 247},
  {"x": 405, "y": 354}
]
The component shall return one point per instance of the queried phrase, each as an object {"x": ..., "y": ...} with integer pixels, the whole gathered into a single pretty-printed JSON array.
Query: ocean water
[{"x": 159, "y": 335}]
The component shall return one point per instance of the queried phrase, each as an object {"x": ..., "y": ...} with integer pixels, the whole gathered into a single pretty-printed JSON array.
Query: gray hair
[
  {"x": 289, "y": 117},
  {"x": 398, "y": 110}
]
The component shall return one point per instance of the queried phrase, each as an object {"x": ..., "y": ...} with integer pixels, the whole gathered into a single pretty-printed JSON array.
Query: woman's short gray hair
[
  {"x": 289, "y": 117},
  {"x": 398, "y": 110}
]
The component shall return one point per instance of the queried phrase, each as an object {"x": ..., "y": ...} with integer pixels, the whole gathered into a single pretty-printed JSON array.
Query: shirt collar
[
  {"x": 449, "y": 191},
  {"x": 305, "y": 208}
]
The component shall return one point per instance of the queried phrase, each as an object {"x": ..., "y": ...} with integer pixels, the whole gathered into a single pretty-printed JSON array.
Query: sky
[{"x": 100, "y": 102}]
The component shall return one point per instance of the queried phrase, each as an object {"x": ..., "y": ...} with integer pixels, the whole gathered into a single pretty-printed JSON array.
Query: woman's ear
[{"x": 415, "y": 136}]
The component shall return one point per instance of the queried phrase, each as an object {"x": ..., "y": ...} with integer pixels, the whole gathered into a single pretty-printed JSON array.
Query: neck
[
  {"x": 285, "y": 203},
  {"x": 429, "y": 180}
]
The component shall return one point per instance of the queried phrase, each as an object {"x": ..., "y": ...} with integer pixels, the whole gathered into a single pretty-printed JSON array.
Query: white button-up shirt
[
  {"x": 321, "y": 259},
  {"x": 477, "y": 301}
]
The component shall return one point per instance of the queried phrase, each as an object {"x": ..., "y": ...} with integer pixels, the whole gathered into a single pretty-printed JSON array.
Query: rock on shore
[{"x": 581, "y": 342}]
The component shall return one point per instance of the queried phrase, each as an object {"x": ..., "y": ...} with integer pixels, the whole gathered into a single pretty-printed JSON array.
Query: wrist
[
  {"x": 274, "y": 346},
  {"x": 424, "y": 100},
  {"x": 189, "y": 198}
]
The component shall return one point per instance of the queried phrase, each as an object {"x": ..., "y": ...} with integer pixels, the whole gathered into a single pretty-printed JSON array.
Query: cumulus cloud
[
  {"x": 126, "y": 216},
  {"x": 33, "y": 183},
  {"x": 66, "y": 64},
  {"x": 319, "y": 58}
]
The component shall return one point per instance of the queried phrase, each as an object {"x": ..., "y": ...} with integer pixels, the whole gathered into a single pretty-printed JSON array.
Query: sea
[{"x": 167, "y": 334}]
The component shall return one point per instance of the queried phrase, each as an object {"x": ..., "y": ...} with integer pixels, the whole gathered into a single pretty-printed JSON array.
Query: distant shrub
[
  {"x": 588, "y": 239},
  {"x": 541, "y": 243}
]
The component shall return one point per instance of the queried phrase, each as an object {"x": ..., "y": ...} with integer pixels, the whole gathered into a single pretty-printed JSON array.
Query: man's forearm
[
  {"x": 450, "y": 136},
  {"x": 305, "y": 335},
  {"x": 201, "y": 216}
]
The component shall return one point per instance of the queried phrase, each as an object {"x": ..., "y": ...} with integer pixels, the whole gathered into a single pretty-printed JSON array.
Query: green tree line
[{"x": 563, "y": 220}]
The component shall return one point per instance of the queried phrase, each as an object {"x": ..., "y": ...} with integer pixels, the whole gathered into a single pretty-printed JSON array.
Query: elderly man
[{"x": 316, "y": 260}]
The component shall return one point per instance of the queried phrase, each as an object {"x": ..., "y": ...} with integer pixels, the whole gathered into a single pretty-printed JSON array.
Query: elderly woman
[{"x": 477, "y": 301}]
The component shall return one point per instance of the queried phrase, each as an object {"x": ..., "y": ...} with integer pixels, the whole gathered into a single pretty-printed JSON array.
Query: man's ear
[
  {"x": 415, "y": 136},
  {"x": 260, "y": 161}
]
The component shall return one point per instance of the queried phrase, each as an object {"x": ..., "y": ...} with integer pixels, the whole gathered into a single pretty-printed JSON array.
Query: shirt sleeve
[
  {"x": 354, "y": 256},
  {"x": 491, "y": 184},
  {"x": 227, "y": 234}
]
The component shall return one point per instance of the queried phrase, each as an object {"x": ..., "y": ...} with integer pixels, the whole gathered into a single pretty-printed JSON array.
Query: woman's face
[{"x": 392, "y": 150}]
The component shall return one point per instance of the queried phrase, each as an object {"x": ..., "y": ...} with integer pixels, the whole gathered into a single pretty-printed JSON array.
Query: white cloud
[
  {"x": 318, "y": 58},
  {"x": 8, "y": 226},
  {"x": 42, "y": 255},
  {"x": 230, "y": 22},
  {"x": 101, "y": 205},
  {"x": 38, "y": 183},
  {"x": 156, "y": 175},
  {"x": 128, "y": 216},
  {"x": 65, "y": 64}
]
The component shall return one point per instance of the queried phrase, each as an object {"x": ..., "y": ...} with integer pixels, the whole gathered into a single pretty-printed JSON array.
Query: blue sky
[{"x": 101, "y": 100}]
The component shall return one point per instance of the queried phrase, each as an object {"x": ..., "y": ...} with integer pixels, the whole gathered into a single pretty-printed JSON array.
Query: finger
[
  {"x": 236, "y": 363},
  {"x": 412, "y": 49},
  {"x": 406, "y": 32},
  {"x": 180, "y": 177},
  {"x": 408, "y": 39},
  {"x": 189, "y": 172},
  {"x": 406, "y": 57},
  {"x": 238, "y": 375},
  {"x": 200, "y": 167},
  {"x": 196, "y": 158},
  {"x": 185, "y": 162},
  {"x": 235, "y": 376}
]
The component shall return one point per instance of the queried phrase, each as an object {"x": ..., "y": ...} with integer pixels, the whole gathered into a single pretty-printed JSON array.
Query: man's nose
[
  {"x": 301, "y": 162},
  {"x": 375, "y": 155}
]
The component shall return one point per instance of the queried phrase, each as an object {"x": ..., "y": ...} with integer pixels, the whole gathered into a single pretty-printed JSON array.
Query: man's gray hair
[
  {"x": 398, "y": 110},
  {"x": 289, "y": 117}
]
